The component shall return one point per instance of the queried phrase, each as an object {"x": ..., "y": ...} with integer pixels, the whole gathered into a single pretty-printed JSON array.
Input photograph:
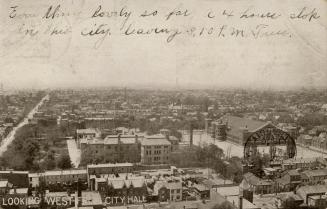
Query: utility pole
[{"x": 191, "y": 134}]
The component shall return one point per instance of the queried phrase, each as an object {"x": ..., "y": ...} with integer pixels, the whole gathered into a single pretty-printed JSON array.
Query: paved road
[
  {"x": 11, "y": 136},
  {"x": 74, "y": 152},
  {"x": 237, "y": 150}
]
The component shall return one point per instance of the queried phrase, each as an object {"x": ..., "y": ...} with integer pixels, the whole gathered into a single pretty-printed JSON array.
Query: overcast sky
[{"x": 189, "y": 62}]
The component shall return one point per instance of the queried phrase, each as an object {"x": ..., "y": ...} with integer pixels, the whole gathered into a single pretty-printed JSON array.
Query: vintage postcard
[{"x": 175, "y": 104}]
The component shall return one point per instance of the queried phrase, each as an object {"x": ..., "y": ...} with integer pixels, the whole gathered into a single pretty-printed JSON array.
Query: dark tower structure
[{"x": 191, "y": 134}]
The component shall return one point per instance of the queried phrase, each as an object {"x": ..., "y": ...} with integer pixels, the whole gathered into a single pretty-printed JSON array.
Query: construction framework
[{"x": 269, "y": 136}]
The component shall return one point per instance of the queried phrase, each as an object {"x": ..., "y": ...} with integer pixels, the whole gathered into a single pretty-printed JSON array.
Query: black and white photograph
[{"x": 163, "y": 104}]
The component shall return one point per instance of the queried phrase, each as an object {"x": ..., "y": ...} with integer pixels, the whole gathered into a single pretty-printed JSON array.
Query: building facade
[
  {"x": 155, "y": 151},
  {"x": 112, "y": 149}
]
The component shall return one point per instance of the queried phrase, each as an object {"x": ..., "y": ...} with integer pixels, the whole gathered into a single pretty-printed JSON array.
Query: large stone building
[
  {"x": 112, "y": 149},
  {"x": 232, "y": 128}
]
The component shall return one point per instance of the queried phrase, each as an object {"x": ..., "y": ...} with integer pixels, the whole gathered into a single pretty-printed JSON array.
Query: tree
[
  {"x": 64, "y": 162},
  {"x": 9, "y": 120},
  {"x": 176, "y": 134},
  {"x": 49, "y": 162}
]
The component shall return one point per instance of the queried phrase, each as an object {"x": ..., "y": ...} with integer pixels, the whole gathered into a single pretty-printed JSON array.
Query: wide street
[{"x": 11, "y": 136}]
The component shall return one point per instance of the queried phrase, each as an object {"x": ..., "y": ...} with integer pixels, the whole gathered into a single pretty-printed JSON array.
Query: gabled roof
[
  {"x": 254, "y": 180},
  {"x": 119, "y": 183}
]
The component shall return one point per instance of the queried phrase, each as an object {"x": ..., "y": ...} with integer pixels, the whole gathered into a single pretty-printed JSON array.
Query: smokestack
[
  {"x": 191, "y": 134},
  {"x": 79, "y": 189},
  {"x": 119, "y": 135}
]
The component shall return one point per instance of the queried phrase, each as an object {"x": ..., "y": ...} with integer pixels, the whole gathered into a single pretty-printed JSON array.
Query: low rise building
[
  {"x": 284, "y": 199},
  {"x": 120, "y": 190},
  {"x": 289, "y": 181},
  {"x": 201, "y": 191},
  {"x": 19, "y": 179},
  {"x": 168, "y": 191},
  {"x": 300, "y": 163},
  {"x": 109, "y": 168},
  {"x": 59, "y": 180},
  {"x": 316, "y": 176},
  {"x": 64, "y": 176},
  {"x": 257, "y": 185},
  {"x": 233, "y": 195},
  {"x": 305, "y": 192}
]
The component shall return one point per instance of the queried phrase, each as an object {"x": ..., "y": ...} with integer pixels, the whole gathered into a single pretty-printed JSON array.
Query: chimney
[
  {"x": 79, "y": 189},
  {"x": 240, "y": 204}
]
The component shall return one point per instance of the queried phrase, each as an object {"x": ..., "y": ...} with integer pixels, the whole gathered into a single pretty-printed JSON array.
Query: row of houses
[
  {"x": 115, "y": 184},
  {"x": 289, "y": 181}
]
